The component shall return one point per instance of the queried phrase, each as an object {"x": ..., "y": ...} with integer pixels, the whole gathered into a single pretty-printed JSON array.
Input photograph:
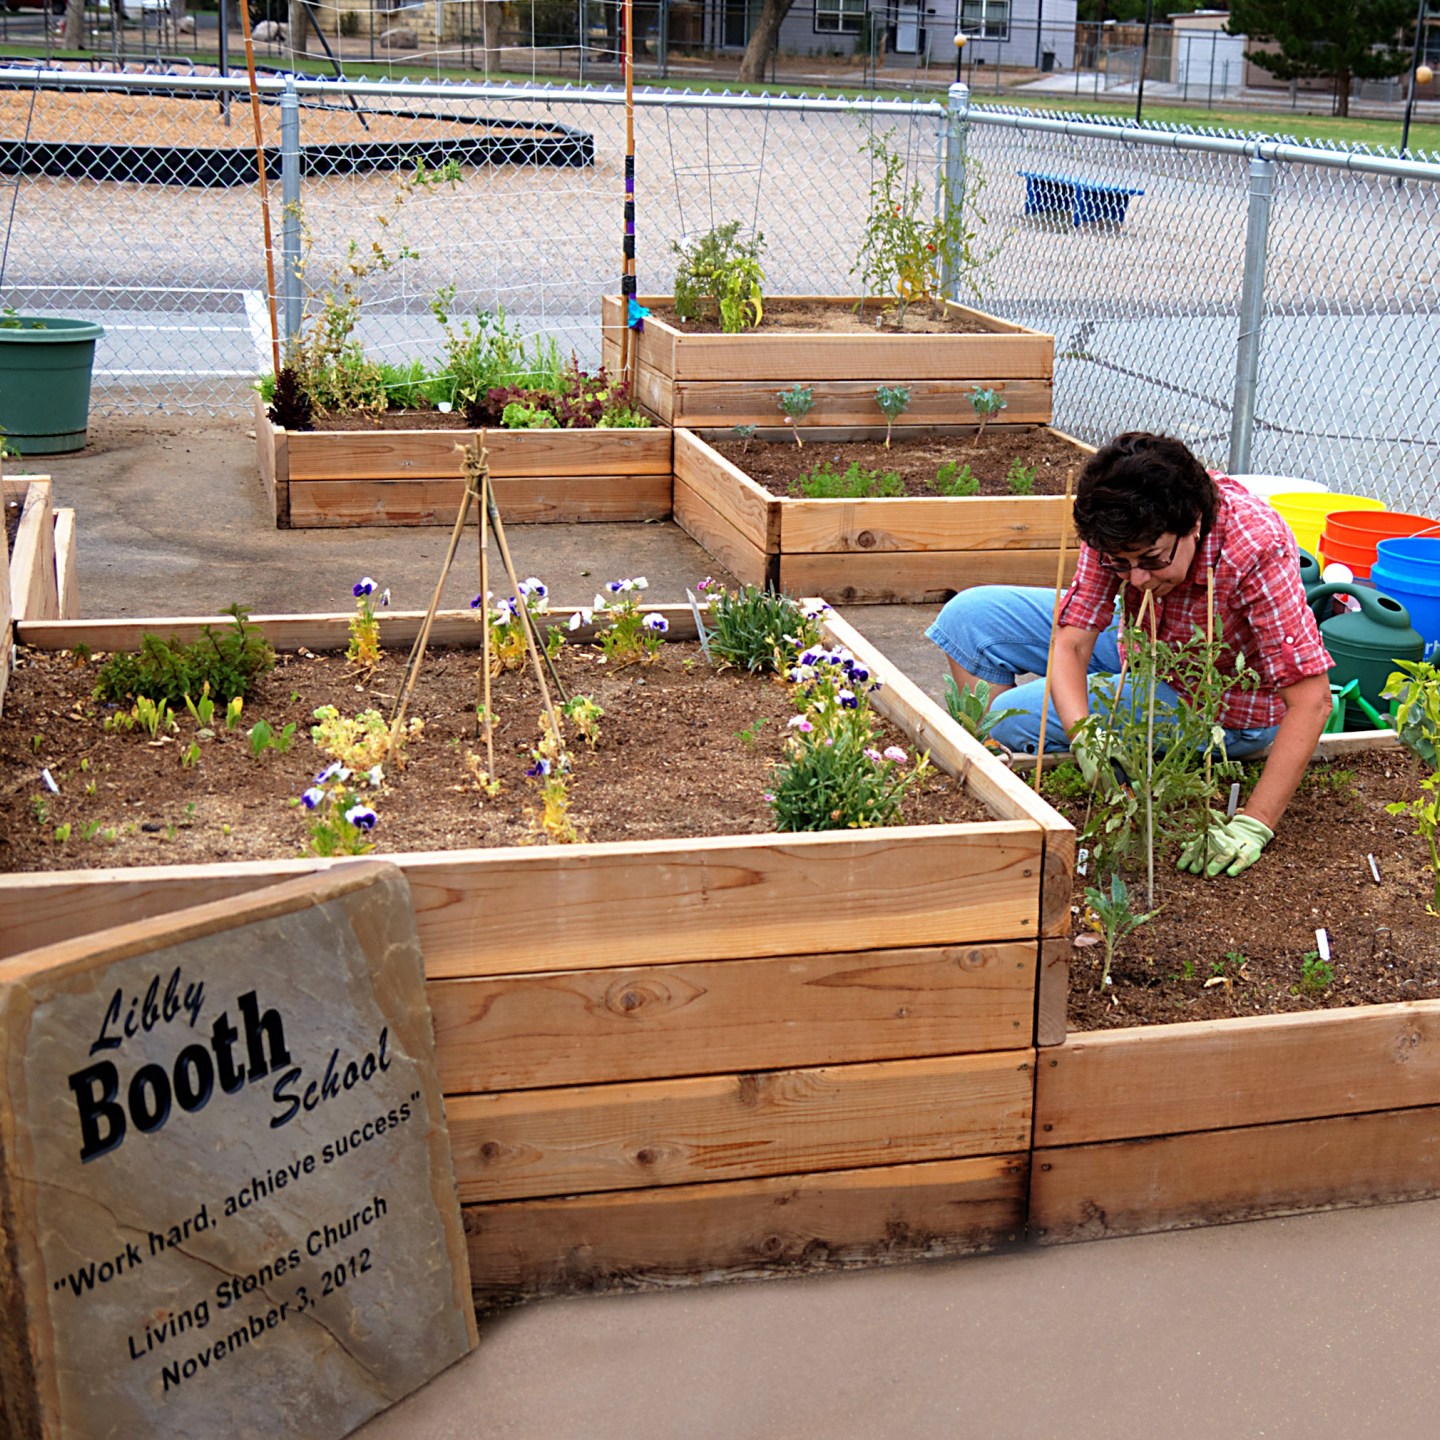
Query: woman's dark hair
[{"x": 1139, "y": 487}]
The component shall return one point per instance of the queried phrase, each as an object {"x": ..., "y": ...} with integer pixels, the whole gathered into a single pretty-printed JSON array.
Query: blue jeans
[{"x": 997, "y": 632}]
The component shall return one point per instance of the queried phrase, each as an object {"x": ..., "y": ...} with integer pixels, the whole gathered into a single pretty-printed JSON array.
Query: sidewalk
[{"x": 1321, "y": 1327}]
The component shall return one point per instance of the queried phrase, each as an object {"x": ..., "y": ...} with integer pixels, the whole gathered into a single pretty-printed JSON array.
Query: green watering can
[
  {"x": 1309, "y": 573},
  {"x": 1364, "y": 644}
]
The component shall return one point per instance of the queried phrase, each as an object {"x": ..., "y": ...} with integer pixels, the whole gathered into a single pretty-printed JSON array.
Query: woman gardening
[{"x": 1152, "y": 521}]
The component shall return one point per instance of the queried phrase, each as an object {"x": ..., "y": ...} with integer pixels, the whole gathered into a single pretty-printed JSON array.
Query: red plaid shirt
[{"x": 1259, "y": 604}]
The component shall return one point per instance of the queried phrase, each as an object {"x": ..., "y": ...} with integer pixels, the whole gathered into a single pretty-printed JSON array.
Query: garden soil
[
  {"x": 789, "y": 316},
  {"x": 683, "y": 751},
  {"x": 1238, "y": 945},
  {"x": 778, "y": 465}
]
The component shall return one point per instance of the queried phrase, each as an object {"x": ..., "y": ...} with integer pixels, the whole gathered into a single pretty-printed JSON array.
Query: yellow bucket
[{"x": 1305, "y": 513}]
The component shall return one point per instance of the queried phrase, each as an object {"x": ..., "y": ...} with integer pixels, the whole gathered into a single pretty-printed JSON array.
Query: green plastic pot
[{"x": 45, "y": 370}]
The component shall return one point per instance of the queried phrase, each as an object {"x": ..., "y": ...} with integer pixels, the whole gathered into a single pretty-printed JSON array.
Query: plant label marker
[
  {"x": 1234, "y": 804},
  {"x": 225, "y": 1170},
  {"x": 699, "y": 625},
  {"x": 1374, "y": 868},
  {"x": 1322, "y": 944}
]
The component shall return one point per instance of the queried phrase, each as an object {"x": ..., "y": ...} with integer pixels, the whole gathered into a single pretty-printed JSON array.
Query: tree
[
  {"x": 762, "y": 39},
  {"x": 1094, "y": 11},
  {"x": 1343, "y": 39}
]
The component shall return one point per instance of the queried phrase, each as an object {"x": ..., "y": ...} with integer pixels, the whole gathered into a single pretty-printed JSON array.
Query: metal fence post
[
  {"x": 1252, "y": 314},
  {"x": 957, "y": 129},
  {"x": 290, "y": 211}
]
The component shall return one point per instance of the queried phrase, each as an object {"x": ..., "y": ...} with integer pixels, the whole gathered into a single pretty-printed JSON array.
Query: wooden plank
[
  {"x": 751, "y": 509},
  {"x": 655, "y": 392},
  {"x": 937, "y": 401},
  {"x": 1220, "y": 1074},
  {"x": 1052, "y": 994},
  {"x": 747, "y": 1229},
  {"x": 34, "y": 592},
  {"x": 531, "y": 1143},
  {"x": 317, "y": 504},
  {"x": 734, "y": 550},
  {"x": 313, "y": 632},
  {"x": 922, "y": 523},
  {"x": 913, "y": 577},
  {"x": 267, "y": 435},
  {"x": 1129, "y": 1187},
  {"x": 66, "y": 582},
  {"x": 376, "y": 454},
  {"x": 647, "y": 902},
  {"x": 571, "y": 1027},
  {"x": 903, "y": 701},
  {"x": 7, "y": 630},
  {"x": 546, "y": 453}
]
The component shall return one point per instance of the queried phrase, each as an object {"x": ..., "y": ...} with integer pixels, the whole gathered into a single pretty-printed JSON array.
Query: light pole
[
  {"x": 1419, "y": 75},
  {"x": 962, "y": 40}
]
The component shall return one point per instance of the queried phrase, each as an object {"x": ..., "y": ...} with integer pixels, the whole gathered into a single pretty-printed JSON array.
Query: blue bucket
[{"x": 1409, "y": 573}]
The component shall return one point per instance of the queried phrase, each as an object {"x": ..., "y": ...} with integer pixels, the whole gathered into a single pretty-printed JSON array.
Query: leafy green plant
[
  {"x": 153, "y": 716},
  {"x": 520, "y": 416},
  {"x": 748, "y": 735},
  {"x": 263, "y": 736},
  {"x": 1414, "y": 691},
  {"x": 362, "y": 745},
  {"x": 585, "y": 715},
  {"x": 970, "y": 708},
  {"x": 857, "y": 483},
  {"x": 508, "y": 625},
  {"x": 954, "y": 479},
  {"x": 1020, "y": 478},
  {"x": 1113, "y": 916},
  {"x": 1316, "y": 975},
  {"x": 721, "y": 268},
  {"x": 915, "y": 239},
  {"x": 746, "y": 434},
  {"x": 227, "y": 661},
  {"x": 797, "y": 402},
  {"x": 1169, "y": 794},
  {"x": 834, "y": 775},
  {"x": 629, "y": 637},
  {"x": 893, "y": 401},
  {"x": 987, "y": 405},
  {"x": 757, "y": 629},
  {"x": 202, "y": 711}
]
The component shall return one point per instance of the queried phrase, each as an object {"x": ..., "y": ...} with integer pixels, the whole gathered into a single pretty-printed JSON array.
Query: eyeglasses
[{"x": 1149, "y": 563}]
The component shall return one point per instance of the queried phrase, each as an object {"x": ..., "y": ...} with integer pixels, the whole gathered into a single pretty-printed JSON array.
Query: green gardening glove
[
  {"x": 1227, "y": 847},
  {"x": 1091, "y": 752}
]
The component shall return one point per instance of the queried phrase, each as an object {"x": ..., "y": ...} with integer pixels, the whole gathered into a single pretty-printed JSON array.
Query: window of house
[
  {"x": 839, "y": 17},
  {"x": 985, "y": 19}
]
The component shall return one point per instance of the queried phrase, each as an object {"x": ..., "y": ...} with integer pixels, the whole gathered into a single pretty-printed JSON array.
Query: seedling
[
  {"x": 970, "y": 708},
  {"x": 746, "y": 434},
  {"x": 955, "y": 479},
  {"x": 751, "y": 733},
  {"x": 1020, "y": 478},
  {"x": 797, "y": 402},
  {"x": 988, "y": 404},
  {"x": 1316, "y": 975},
  {"x": 893, "y": 401},
  {"x": 1112, "y": 916},
  {"x": 263, "y": 736}
]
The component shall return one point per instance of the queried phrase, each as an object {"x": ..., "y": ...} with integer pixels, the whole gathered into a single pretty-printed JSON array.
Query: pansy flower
[
  {"x": 656, "y": 624},
  {"x": 362, "y": 817},
  {"x": 313, "y": 797},
  {"x": 364, "y": 586}
]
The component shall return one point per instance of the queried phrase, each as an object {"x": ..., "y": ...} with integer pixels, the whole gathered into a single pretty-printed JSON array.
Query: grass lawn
[{"x": 1282, "y": 121}]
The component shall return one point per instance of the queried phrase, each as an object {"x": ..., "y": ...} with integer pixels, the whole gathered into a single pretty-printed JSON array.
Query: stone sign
[{"x": 227, "y": 1206}]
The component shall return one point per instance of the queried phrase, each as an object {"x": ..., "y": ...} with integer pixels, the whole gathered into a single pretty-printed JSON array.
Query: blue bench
[{"x": 1082, "y": 199}]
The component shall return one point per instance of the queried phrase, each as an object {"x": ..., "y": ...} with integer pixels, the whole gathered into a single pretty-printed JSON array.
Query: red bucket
[{"x": 1350, "y": 536}]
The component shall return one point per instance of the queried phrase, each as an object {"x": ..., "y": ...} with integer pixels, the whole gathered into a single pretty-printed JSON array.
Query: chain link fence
[{"x": 1146, "y": 311}]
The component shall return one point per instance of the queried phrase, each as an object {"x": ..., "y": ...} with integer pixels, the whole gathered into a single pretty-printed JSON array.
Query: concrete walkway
[
  {"x": 1316, "y": 1327},
  {"x": 1320, "y": 1327}
]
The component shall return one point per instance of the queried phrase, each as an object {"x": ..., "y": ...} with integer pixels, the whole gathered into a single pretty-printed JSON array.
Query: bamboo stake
[
  {"x": 264, "y": 191},
  {"x": 475, "y": 465},
  {"x": 486, "y": 719},
  {"x": 1054, "y": 623}
]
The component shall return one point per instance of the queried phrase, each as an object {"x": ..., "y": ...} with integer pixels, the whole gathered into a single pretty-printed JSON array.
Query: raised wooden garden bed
[
  {"x": 882, "y": 551},
  {"x": 344, "y": 478},
  {"x": 1171, "y": 1126},
  {"x": 670, "y": 1061},
  {"x": 37, "y": 578},
  {"x": 714, "y": 380}
]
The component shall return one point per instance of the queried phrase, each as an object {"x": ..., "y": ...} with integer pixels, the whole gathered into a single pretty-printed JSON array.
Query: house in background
[{"x": 1018, "y": 33}]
